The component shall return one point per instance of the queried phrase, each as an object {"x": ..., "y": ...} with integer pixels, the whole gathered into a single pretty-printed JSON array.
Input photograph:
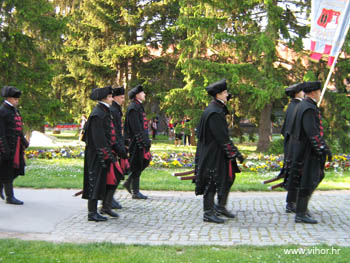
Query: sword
[
  {"x": 276, "y": 186},
  {"x": 183, "y": 173},
  {"x": 279, "y": 176},
  {"x": 273, "y": 179},
  {"x": 78, "y": 193},
  {"x": 187, "y": 177}
]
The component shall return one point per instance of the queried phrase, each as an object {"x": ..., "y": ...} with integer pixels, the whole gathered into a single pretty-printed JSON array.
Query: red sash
[
  {"x": 18, "y": 127},
  {"x": 230, "y": 169}
]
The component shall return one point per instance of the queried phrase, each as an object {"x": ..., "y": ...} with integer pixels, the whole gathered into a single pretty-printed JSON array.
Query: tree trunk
[
  {"x": 265, "y": 131},
  {"x": 193, "y": 137},
  {"x": 42, "y": 128}
]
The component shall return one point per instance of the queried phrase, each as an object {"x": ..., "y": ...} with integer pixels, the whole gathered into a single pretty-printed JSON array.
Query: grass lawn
[
  {"x": 68, "y": 173},
  {"x": 39, "y": 252}
]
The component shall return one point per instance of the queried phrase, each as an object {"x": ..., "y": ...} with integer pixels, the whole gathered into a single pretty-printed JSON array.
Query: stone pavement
[{"x": 175, "y": 218}]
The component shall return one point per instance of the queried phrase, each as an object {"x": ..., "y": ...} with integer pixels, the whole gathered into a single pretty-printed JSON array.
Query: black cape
[
  {"x": 286, "y": 133},
  {"x": 307, "y": 167},
  {"x": 211, "y": 162},
  {"x": 12, "y": 143},
  {"x": 117, "y": 114},
  {"x": 136, "y": 134},
  {"x": 99, "y": 152}
]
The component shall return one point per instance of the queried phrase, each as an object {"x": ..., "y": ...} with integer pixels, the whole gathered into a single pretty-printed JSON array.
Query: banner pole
[
  {"x": 328, "y": 79},
  {"x": 332, "y": 68}
]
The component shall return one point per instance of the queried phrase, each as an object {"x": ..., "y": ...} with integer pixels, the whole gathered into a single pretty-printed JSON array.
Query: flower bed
[
  {"x": 173, "y": 160},
  {"x": 68, "y": 152},
  {"x": 254, "y": 162}
]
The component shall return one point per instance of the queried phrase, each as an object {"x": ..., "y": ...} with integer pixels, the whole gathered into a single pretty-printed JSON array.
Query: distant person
[
  {"x": 171, "y": 128},
  {"x": 12, "y": 144},
  {"x": 82, "y": 126},
  {"x": 186, "y": 131},
  {"x": 178, "y": 134},
  {"x": 154, "y": 127}
]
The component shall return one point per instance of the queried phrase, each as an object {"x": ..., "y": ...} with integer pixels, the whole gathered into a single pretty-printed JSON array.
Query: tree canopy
[{"x": 57, "y": 51}]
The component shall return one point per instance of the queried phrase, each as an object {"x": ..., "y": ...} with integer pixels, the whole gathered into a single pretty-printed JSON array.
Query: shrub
[{"x": 276, "y": 147}]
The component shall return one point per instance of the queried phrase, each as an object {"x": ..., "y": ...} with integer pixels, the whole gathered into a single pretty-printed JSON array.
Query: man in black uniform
[
  {"x": 296, "y": 94},
  {"x": 116, "y": 109},
  {"x": 12, "y": 143},
  {"x": 102, "y": 171},
  {"x": 309, "y": 151},
  {"x": 215, "y": 161},
  {"x": 136, "y": 136}
]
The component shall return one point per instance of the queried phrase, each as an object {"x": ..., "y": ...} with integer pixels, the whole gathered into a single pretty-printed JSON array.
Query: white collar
[
  {"x": 104, "y": 103},
  {"x": 313, "y": 99},
  {"x": 221, "y": 101},
  {"x": 9, "y": 103},
  {"x": 139, "y": 101},
  {"x": 298, "y": 99}
]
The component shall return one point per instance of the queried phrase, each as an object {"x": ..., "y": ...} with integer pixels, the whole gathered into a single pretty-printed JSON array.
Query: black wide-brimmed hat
[
  {"x": 132, "y": 93},
  {"x": 10, "y": 92},
  {"x": 216, "y": 87},
  {"x": 101, "y": 93},
  {"x": 118, "y": 91},
  {"x": 294, "y": 89},
  {"x": 311, "y": 86}
]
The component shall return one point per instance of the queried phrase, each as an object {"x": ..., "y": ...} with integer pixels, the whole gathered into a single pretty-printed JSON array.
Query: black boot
[
  {"x": 136, "y": 189},
  {"x": 301, "y": 211},
  {"x": 291, "y": 201},
  {"x": 10, "y": 197},
  {"x": 116, "y": 204},
  {"x": 221, "y": 207},
  {"x": 107, "y": 204},
  {"x": 208, "y": 207},
  {"x": 210, "y": 216},
  {"x": 2, "y": 191},
  {"x": 221, "y": 210},
  {"x": 127, "y": 184},
  {"x": 93, "y": 215},
  {"x": 291, "y": 207}
]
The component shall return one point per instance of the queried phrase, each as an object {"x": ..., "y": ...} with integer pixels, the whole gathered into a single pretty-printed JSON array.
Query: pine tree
[
  {"x": 30, "y": 34},
  {"x": 238, "y": 40}
]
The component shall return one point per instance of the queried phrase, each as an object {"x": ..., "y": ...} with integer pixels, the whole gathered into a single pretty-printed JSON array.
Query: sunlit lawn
[
  {"x": 68, "y": 173},
  {"x": 38, "y": 252}
]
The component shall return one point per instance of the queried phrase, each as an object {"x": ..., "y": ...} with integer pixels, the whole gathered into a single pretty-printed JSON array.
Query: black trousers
[
  {"x": 292, "y": 195},
  {"x": 8, "y": 187},
  {"x": 107, "y": 200},
  {"x": 302, "y": 200},
  {"x": 208, "y": 198},
  {"x": 134, "y": 181}
]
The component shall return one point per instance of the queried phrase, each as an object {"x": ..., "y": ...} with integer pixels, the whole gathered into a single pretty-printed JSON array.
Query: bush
[{"x": 276, "y": 147}]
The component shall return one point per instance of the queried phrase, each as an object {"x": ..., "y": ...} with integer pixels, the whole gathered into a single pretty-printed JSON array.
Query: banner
[{"x": 329, "y": 21}]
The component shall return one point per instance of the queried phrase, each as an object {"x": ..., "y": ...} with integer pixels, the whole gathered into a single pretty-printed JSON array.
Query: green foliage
[
  {"x": 30, "y": 34},
  {"x": 276, "y": 147},
  {"x": 337, "y": 122},
  {"x": 57, "y": 51},
  {"x": 111, "y": 43},
  {"x": 309, "y": 76},
  {"x": 236, "y": 40}
]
